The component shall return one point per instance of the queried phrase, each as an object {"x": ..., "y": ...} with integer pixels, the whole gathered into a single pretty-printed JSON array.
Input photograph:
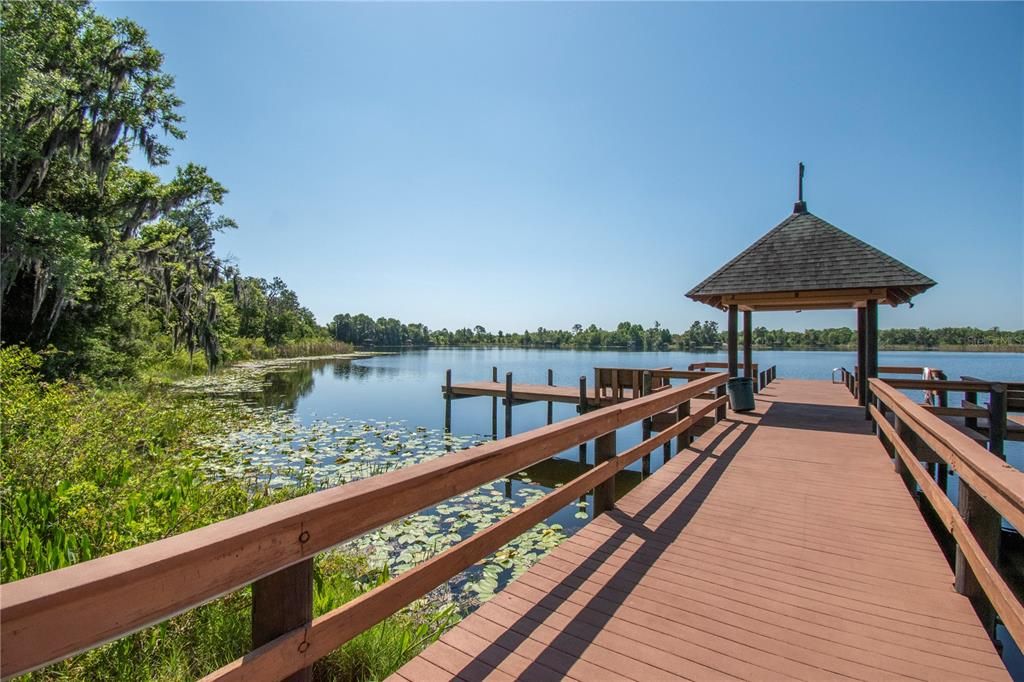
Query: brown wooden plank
[
  {"x": 469, "y": 641},
  {"x": 780, "y": 543}
]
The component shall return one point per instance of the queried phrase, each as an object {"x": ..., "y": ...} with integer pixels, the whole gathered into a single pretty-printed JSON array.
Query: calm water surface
[{"x": 406, "y": 387}]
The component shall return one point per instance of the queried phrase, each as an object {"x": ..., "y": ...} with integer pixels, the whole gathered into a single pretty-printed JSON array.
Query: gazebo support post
[
  {"x": 732, "y": 341},
  {"x": 748, "y": 361},
  {"x": 862, "y": 364},
  {"x": 870, "y": 351}
]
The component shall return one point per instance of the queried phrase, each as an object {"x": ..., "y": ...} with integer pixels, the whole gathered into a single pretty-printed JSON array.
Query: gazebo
[{"x": 806, "y": 263}]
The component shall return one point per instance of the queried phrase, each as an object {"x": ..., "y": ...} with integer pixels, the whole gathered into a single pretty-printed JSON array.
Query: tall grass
[{"x": 256, "y": 349}]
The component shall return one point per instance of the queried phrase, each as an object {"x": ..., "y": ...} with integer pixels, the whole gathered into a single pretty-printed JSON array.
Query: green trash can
[{"x": 741, "y": 394}]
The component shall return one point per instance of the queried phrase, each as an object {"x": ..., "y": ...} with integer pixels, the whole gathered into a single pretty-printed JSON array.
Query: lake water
[
  {"x": 398, "y": 397},
  {"x": 406, "y": 386}
]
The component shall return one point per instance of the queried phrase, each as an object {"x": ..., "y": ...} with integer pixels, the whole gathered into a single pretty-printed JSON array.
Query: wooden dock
[
  {"x": 525, "y": 393},
  {"x": 781, "y": 545}
]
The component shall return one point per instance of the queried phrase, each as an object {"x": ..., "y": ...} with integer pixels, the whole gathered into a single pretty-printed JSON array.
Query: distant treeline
[{"x": 363, "y": 330}]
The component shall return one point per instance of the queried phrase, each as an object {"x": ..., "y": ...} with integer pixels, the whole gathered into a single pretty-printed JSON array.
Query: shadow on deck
[{"x": 781, "y": 545}]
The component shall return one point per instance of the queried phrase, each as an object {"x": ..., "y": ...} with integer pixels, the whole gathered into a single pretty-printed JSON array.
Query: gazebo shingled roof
[{"x": 804, "y": 263}]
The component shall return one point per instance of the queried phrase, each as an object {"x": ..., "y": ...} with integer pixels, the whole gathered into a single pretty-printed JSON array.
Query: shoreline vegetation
[
  {"x": 1013, "y": 348},
  {"x": 361, "y": 330}
]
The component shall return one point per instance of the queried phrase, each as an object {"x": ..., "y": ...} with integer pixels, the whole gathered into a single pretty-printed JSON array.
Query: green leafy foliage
[{"x": 101, "y": 260}]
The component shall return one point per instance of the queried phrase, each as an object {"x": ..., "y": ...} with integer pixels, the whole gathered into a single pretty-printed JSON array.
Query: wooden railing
[
  {"x": 612, "y": 382},
  {"x": 989, "y": 490},
  {"x": 1000, "y": 401},
  {"x": 52, "y": 616},
  {"x": 763, "y": 377}
]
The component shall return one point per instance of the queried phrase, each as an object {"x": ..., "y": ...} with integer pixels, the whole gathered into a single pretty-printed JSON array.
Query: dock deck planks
[{"x": 781, "y": 545}]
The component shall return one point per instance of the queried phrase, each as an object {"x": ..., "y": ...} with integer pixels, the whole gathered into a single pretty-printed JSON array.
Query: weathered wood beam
[
  {"x": 870, "y": 349},
  {"x": 282, "y": 602},
  {"x": 861, "y": 368},
  {"x": 748, "y": 358},
  {"x": 731, "y": 336}
]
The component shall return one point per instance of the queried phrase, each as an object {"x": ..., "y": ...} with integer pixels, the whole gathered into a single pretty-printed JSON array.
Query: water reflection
[{"x": 284, "y": 388}]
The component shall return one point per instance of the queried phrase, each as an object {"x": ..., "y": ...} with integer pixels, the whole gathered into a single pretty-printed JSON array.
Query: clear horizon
[{"x": 541, "y": 165}]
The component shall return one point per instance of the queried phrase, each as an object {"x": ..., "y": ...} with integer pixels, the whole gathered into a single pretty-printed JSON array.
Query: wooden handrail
[
  {"x": 940, "y": 385},
  {"x": 716, "y": 365},
  {"x": 989, "y": 490},
  {"x": 901, "y": 369},
  {"x": 49, "y": 617},
  {"x": 975, "y": 412},
  {"x": 286, "y": 654},
  {"x": 677, "y": 374},
  {"x": 998, "y": 483},
  {"x": 995, "y": 588}
]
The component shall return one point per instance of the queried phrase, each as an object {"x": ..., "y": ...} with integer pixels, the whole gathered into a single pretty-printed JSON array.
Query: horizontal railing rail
[
  {"x": 761, "y": 378},
  {"x": 1014, "y": 393},
  {"x": 52, "y": 616},
  {"x": 989, "y": 490},
  {"x": 902, "y": 369}
]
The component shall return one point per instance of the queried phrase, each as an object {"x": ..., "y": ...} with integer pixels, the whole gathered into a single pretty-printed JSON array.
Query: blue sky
[{"x": 524, "y": 165}]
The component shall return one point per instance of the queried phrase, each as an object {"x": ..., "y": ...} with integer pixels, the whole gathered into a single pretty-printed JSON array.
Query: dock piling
[
  {"x": 494, "y": 406},
  {"x": 281, "y": 602},
  {"x": 604, "y": 494},
  {"x": 683, "y": 439},
  {"x": 448, "y": 401},
  {"x": 508, "y": 404},
  {"x": 986, "y": 525},
  {"x": 971, "y": 397},
  {"x": 583, "y": 409},
  {"x": 551, "y": 382},
  {"x": 645, "y": 389},
  {"x": 997, "y": 420}
]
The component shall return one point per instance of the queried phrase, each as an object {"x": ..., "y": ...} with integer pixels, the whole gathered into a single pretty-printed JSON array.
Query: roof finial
[{"x": 800, "y": 206}]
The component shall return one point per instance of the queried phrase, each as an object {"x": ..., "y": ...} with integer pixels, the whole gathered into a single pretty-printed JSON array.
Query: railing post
[
  {"x": 551, "y": 382},
  {"x": 645, "y": 389},
  {"x": 604, "y": 494},
  {"x": 282, "y": 602},
  {"x": 720, "y": 412},
  {"x": 494, "y": 406},
  {"x": 732, "y": 340},
  {"x": 898, "y": 463},
  {"x": 985, "y": 523},
  {"x": 448, "y": 401},
  {"x": 997, "y": 420},
  {"x": 683, "y": 439},
  {"x": 942, "y": 477},
  {"x": 508, "y": 404},
  {"x": 583, "y": 409},
  {"x": 971, "y": 397}
]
